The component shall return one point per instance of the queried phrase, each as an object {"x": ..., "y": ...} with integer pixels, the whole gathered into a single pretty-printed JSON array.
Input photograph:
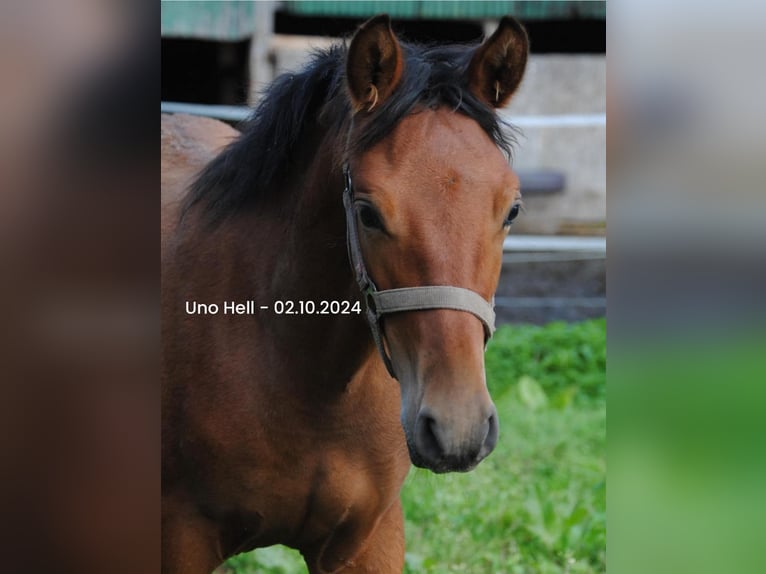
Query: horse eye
[
  {"x": 369, "y": 217},
  {"x": 512, "y": 215}
]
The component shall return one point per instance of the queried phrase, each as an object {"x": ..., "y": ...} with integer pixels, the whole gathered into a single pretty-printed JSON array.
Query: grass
[{"x": 537, "y": 504}]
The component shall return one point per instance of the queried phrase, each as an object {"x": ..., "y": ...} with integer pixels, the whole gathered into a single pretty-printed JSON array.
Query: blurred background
[
  {"x": 79, "y": 286},
  {"x": 218, "y": 56}
]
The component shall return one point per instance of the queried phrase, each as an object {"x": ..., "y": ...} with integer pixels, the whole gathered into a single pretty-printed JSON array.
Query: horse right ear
[{"x": 374, "y": 63}]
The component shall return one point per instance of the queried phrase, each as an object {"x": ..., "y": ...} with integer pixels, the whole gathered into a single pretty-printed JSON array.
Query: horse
[{"x": 326, "y": 298}]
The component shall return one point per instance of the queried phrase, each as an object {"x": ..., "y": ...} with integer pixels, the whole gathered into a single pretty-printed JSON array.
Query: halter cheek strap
[{"x": 380, "y": 303}]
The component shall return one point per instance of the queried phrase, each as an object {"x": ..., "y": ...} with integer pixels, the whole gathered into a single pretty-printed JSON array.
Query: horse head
[{"x": 433, "y": 198}]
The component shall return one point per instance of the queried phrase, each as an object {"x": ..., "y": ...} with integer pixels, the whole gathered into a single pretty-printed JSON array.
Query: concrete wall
[{"x": 564, "y": 85}]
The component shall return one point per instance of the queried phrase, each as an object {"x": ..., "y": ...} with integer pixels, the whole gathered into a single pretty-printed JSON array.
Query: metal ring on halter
[{"x": 380, "y": 303}]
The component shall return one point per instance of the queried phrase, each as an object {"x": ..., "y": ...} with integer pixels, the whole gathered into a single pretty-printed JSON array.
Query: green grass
[{"x": 537, "y": 504}]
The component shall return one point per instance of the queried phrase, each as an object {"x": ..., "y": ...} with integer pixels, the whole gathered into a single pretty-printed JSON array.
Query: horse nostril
[
  {"x": 426, "y": 437},
  {"x": 492, "y": 432}
]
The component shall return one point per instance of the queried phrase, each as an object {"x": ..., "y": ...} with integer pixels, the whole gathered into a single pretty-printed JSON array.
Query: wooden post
[{"x": 261, "y": 67}]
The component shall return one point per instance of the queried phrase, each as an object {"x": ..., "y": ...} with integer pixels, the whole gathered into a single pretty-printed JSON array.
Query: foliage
[
  {"x": 537, "y": 504},
  {"x": 568, "y": 360}
]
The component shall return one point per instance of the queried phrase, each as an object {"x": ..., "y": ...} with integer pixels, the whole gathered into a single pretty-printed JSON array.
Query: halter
[{"x": 380, "y": 303}]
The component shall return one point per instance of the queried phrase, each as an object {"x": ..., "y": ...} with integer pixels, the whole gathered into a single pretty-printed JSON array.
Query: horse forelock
[
  {"x": 254, "y": 167},
  {"x": 433, "y": 77}
]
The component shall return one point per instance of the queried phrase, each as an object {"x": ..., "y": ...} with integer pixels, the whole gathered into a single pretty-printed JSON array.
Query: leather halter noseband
[{"x": 380, "y": 303}]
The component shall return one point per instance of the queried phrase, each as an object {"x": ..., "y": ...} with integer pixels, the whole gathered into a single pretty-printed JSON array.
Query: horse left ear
[
  {"x": 497, "y": 66},
  {"x": 374, "y": 63}
]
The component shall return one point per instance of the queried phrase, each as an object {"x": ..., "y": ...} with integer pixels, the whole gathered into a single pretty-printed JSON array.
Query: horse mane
[{"x": 253, "y": 167}]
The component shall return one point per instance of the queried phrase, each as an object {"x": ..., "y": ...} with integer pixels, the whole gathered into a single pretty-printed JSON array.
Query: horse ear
[
  {"x": 374, "y": 63},
  {"x": 497, "y": 66}
]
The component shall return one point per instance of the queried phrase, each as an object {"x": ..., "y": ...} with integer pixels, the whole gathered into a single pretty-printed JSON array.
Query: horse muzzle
[{"x": 452, "y": 441}]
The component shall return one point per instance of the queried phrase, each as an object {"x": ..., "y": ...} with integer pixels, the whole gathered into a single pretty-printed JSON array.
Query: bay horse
[{"x": 358, "y": 221}]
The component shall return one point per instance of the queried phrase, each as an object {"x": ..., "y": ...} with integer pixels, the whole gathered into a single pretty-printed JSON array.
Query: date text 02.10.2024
[{"x": 316, "y": 307}]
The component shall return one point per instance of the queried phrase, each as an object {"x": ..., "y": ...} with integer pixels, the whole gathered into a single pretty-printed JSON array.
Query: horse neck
[
  {"x": 313, "y": 265},
  {"x": 292, "y": 248}
]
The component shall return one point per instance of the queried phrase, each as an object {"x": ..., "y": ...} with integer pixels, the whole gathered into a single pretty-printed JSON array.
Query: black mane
[{"x": 254, "y": 165}]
